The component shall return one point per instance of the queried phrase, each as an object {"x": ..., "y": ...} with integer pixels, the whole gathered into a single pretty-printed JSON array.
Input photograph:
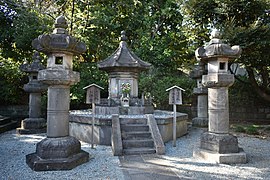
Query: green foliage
[
  {"x": 11, "y": 82},
  {"x": 163, "y": 82},
  {"x": 20, "y": 24},
  {"x": 89, "y": 74},
  {"x": 252, "y": 130},
  {"x": 243, "y": 22},
  {"x": 248, "y": 129},
  {"x": 240, "y": 128}
]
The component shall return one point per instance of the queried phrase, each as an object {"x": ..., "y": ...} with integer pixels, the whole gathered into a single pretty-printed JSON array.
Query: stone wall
[
  {"x": 14, "y": 111},
  {"x": 252, "y": 113}
]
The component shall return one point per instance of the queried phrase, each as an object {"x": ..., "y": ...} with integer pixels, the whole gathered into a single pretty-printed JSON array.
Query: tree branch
[{"x": 255, "y": 85}]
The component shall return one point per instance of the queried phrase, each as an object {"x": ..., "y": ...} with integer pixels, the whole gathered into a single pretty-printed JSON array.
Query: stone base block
[
  {"x": 220, "y": 143},
  {"x": 228, "y": 158},
  {"x": 38, "y": 164},
  {"x": 61, "y": 153},
  {"x": 31, "y": 131},
  {"x": 32, "y": 126},
  {"x": 200, "y": 122}
]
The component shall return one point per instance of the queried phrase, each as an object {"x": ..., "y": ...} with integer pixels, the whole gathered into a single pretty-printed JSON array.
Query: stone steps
[
  {"x": 134, "y": 127},
  {"x": 134, "y": 121},
  {"x": 136, "y": 137},
  {"x": 136, "y": 151},
  {"x": 138, "y": 143},
  {"x": 7, "y": 124}
]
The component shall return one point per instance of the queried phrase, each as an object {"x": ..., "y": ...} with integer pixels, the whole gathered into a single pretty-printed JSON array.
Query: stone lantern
[
  {"x": 217, "y": 144},
  {"x": 34, "y": 124},
  {"x": 201, "y": 93},
  {"x": 58, "y": 151},
  {"x": 123, "y": 67}
]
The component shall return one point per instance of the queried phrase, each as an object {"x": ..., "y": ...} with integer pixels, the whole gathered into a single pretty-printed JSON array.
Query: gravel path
[{"x": 179, "y": 159}]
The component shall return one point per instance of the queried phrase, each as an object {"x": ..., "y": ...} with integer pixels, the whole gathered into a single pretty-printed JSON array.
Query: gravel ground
[
  {"x": 186, "y": 167},
  {"x": 13, "y": 149}
]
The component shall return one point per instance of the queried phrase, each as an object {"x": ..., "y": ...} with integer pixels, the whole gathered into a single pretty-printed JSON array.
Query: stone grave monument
[
  {"x": 34, "y": 124},
  {"x": 201, "y": 93},
  {"x": 58, "y": 151},
  {"x": 123, "y": 68},
  {"x": 217, "y": 145}
]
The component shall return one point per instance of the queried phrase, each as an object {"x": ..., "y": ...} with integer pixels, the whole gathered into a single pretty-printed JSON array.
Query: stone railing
[
  {"x": 117, "y": 146},
  {"x": 159, "y": 144}
]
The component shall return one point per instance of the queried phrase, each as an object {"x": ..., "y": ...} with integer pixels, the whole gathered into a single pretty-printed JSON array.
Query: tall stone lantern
[
  {"x": 58, "y": 151},
  {"x": 217, "y": 144},
  {"x": 123, "y": 67},
  {"x": 201, "y": 93},
  {"x": 34, "y": 123}
]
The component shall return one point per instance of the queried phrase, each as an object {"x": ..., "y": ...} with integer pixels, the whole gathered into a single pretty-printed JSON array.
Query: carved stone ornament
[
  {"x": 216, "y": 48},
  {"x": 34, "y": 67},
  {"x": 59, "y": 40}
]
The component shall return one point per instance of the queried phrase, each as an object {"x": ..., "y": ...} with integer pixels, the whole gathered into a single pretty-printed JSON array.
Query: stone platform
[{"x": 80, "y": 125}]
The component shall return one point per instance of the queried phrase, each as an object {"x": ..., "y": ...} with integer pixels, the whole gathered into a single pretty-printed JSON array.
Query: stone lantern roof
[
  {"x": 123, "y": 59},
  {"x": 217, "y": 49},
  {"x": 59, "y": 41},
  {"x": 34, "y": 67}
]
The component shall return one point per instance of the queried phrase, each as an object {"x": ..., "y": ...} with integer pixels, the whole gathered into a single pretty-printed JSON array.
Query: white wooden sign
[{"x": 175, "y": 95}]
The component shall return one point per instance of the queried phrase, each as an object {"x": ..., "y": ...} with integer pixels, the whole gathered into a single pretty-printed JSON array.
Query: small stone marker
[
  {"x": 93, "y": 96},
  {"x": 175, "y": 98}
]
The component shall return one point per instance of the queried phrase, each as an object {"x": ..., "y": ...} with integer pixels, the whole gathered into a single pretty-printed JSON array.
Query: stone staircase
[
  {"x": 136, "y": 136},
  {"x": 7, "y": 124}
]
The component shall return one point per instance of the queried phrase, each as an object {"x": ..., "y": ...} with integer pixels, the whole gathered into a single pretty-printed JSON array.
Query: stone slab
[{"x": 229, "y": 158}]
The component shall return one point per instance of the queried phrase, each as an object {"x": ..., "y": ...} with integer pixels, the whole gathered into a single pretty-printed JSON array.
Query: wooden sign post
[
  {"x": 93, "y": 96},
  {"x": 175, "y": 97}
]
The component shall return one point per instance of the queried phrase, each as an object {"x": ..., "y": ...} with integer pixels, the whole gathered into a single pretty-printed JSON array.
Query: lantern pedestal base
[
  {"x": 228, "y": 158},
  {"x": 32, "y": 126},
  {"x": 63, "y": 153},
  {"x": 200, "y": 122}
]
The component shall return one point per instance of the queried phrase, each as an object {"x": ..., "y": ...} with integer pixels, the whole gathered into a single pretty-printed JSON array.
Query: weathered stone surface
[
  {"x": 117, "y": 146},
  {"x": 38, "y": 164},
  {"x": 217, "y": 80},
  {"x": 158, "y": 141},
  {"x": 58, "y": 151},
  {"x": 228, "y": 158},
  {"x": 59, "y": 41},
  {"x": 123, "y": 66},
  {"x": 219, "y": 143},
  {"x": 216, "y": 48},
  {"x": 58, "y": 76},
  {"x": 62, "y": 147},
  {"x": 200, "y": 121},
  {"x": 33, "y": 123}
]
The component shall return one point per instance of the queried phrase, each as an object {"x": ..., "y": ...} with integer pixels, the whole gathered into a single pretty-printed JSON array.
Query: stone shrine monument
[
  {"x": 201, "y": 93},
  {"x": 123, "y": 68},
  {"x": 217, "y": 145},
  {"x": 58, "y": 151},
  {"x": 34, "y": 124}
]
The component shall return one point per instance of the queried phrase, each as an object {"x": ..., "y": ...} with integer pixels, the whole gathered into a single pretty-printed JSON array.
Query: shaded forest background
[{"x": 165, "y": 33}]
